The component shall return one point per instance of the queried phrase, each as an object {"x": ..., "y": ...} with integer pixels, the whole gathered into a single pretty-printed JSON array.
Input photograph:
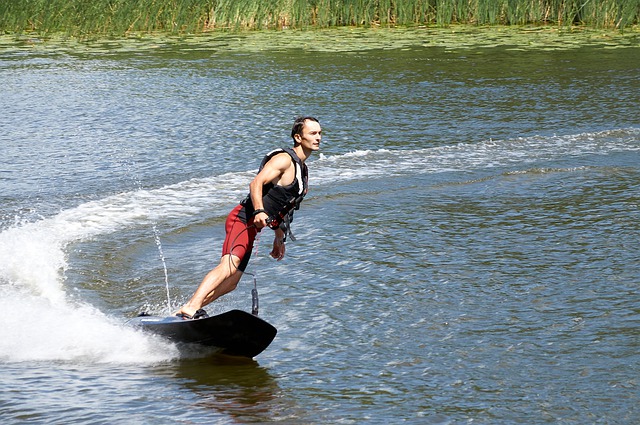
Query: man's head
[{"x": 298, "y": 126}]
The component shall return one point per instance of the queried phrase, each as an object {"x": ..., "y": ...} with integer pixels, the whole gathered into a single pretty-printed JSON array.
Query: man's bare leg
[
  {"x": 221, "y": 280},
  {"x": 227, "y": 285}
]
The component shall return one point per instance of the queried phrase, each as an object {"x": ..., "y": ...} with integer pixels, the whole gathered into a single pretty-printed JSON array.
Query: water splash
[
  {"x": 156, "y": 236},
  {"x": 46, "y": 323}
]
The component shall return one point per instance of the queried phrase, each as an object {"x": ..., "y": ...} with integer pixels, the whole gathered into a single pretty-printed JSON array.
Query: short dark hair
[{"x": 298, "y": 124}]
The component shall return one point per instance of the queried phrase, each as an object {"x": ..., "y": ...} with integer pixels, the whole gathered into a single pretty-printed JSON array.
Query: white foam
[
  {"x": 362, "y": 164},
  {"x": 35, "y": 329}
]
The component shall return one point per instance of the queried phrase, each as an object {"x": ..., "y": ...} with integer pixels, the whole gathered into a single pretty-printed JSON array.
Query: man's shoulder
[{"x": 280, "y": 160}]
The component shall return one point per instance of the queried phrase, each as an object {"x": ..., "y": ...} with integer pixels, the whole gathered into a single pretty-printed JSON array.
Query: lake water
[{"x": 469, "y": 251}]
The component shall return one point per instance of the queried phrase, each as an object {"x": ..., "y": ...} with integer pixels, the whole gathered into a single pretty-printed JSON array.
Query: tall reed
[{"x": 192, "y": 16}]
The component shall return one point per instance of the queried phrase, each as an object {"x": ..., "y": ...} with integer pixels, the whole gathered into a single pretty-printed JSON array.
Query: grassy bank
[{"x": 119, "y": 17}]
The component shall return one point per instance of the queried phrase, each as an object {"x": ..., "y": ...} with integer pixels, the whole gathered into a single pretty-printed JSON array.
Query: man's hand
[
  {"x": 278, "y": 248},
  {"x": 260, "y": 220}
]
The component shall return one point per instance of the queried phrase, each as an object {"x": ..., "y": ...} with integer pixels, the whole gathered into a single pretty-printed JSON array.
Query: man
[{"x": 274, "y": 193}]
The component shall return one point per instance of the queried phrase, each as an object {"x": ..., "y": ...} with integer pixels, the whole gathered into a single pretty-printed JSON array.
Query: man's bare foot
[{"x": 186, "y": 310}]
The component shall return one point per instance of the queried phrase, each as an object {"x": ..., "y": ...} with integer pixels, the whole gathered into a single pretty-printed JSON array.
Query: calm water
[{"x": 468, "y": 253}]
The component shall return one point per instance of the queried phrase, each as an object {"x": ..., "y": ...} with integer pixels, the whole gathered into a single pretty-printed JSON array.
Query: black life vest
[{"x": 280, "y": 201}]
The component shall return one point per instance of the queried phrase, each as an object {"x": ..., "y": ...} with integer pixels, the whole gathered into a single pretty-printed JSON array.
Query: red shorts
[{"x": 240, "y": 237}]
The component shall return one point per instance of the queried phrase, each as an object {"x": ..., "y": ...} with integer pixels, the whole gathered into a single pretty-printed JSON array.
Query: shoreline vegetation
[{"x": 82, "y": 18}]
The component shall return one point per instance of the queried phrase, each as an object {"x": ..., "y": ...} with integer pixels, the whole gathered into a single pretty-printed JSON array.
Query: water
[{"x": 468, "y": 251}]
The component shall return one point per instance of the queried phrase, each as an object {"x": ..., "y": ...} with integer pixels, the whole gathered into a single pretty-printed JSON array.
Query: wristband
[{"x": 256, "y": 212}]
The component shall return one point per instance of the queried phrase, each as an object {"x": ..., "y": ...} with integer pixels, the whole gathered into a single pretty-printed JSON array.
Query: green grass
[{"x": 121, "y": 17}]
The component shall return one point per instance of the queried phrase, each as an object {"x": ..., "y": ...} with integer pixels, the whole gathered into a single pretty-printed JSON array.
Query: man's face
[{"x": 311, "y": 135}]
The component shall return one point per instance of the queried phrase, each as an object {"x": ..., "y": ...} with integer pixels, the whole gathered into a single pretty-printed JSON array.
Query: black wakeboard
[{"x": 234, "y": 332}]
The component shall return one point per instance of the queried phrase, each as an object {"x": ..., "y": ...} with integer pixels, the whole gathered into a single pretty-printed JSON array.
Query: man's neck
[{"x": 302, "y": 153}]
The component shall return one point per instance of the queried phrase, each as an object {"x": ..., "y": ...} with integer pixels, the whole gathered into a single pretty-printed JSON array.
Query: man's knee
[{"x": 230, "y": 263}]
